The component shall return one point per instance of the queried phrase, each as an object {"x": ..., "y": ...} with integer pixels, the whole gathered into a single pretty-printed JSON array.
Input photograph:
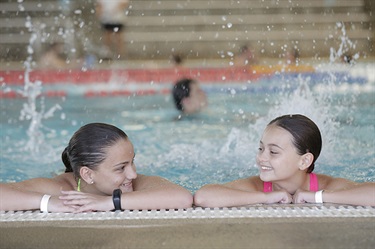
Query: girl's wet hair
[
  {"x": 88, "y": 146},
  {"x": 180, "y": 91},
  {"x": 306, "y": 134}
]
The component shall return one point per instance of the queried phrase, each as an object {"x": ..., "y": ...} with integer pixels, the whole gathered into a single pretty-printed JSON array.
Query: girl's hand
[
  {"x": 303, "y": 197},
  {"x": 55, "y": 205},
  {"x": 86, "y": 202},
  {"x": 278, "y": 197}
]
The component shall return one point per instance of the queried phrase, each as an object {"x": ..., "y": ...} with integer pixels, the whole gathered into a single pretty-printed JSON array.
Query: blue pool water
[{"x": 217, "y": 145}]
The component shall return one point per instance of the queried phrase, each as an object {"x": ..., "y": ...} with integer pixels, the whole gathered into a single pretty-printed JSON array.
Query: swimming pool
[{"x": 217, "y": 145}]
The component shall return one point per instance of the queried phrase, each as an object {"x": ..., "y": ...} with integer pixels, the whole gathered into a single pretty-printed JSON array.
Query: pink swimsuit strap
[
  {"x": 267, "y": 187},
  {"x": 314, "y": 184}
]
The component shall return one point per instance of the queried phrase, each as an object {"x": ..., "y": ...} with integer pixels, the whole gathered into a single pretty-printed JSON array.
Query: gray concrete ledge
[{"x": 260, "y": 226}]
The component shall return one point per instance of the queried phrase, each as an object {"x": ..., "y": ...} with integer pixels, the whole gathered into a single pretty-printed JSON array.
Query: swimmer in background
[
  {"x": 188, "y": 96},
  {"x": 112, "y": 17},
  {"x": 245, "y": 57},
  {"x": 177, "y": 60},
  {"x": 100, "y": 175},
  {"x": 292, "y": 57},
  {"x": 288, "y": 150},
  {"x": 54, "y": 59}
]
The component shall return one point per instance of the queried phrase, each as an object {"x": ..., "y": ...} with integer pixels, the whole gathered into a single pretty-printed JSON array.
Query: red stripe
[
  {"x": 14, "y": 94},
  {"x": 168, "y": 75},
  {"x": 138, "y": 76},
  {"x": 142, "y": 92},
  {"x": 54, "y": 93},
  {"x": 10, "y": 94}
]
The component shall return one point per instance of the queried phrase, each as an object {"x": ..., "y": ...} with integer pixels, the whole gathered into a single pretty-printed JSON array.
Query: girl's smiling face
[
  {"x": 117, "y": 170},
  {"x": 277, "y": 157}
]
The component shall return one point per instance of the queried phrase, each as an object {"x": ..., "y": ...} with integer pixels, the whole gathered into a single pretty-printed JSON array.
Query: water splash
[
  {"x": 303, "y": 101},
  {"x": 344, "y": 49},
  {"x": 31, "y": 111}
]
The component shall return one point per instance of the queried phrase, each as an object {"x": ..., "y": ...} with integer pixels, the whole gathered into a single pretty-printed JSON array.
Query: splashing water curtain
[
  {"x": 346, "y": 46},
  {"x": 31, "y": 91}
]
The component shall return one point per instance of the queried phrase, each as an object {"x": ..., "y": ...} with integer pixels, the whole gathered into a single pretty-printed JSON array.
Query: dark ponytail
[{"x": 66, "y": 161}]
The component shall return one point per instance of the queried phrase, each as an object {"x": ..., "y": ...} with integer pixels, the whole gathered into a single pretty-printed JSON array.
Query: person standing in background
[
  {"x": 246, "y": 56},
  {"x": 112, "y": 17},
  {"x": 54, "y": 58}
]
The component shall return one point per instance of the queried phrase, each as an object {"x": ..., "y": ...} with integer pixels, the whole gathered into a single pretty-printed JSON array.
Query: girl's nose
[
  {"x": 131, "y": 172},
  {"x": 261, "y": 157}
]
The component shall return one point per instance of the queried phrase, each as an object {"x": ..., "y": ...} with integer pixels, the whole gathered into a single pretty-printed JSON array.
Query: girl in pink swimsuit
[{"x": 288, "y": 150}]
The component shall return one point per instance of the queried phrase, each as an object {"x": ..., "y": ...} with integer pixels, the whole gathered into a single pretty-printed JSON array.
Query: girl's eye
[
  {"x": 260, "y": 149},
  {"x": 273, "y": 152},
  {"x": 121, "y": 168}
]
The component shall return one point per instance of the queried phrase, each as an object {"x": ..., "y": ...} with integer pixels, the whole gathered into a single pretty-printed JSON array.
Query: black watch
[{"x": 116, "y": 197}]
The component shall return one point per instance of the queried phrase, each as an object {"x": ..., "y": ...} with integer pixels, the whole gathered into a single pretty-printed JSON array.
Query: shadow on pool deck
[{"x": 192, "y": 233}]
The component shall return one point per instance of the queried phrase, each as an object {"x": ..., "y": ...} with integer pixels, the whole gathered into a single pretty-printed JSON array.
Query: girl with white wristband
[
  {"x": 100, "y": 175},
  {"x": 288, "y": 149}
]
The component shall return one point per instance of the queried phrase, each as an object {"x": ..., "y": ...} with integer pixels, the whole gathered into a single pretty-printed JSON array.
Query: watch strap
[{"x": 116, "y": 197}]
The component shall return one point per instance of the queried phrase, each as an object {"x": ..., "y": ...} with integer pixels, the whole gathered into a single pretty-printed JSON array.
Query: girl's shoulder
[
  {"x": 66, "y": 179},
  {"x": 146, "y": 181},
  {"x": 332, "y": 183},
  {"x": 252, "y": 183}
]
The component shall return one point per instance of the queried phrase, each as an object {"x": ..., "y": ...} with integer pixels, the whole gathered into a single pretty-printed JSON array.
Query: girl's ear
[
  {"x": 186, "y": 104},
  {"x": 306, "y": 161},
  {"x": 86, "y": 175},
  {"x": 185, "y": 101}
]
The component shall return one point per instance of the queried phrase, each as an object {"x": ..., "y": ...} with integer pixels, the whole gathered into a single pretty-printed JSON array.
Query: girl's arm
[
  {"x": 342, "y": 191},
  {"x": 27, "y": 195},
  {"x": 154, "y": 192},
  {"x": 150, "y": 192},
  {"x": 237, "y": 193},
  {"x": 12, "y": 198}
]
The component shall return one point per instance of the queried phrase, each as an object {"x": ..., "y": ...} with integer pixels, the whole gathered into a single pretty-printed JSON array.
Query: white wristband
[
  {"x": 319, "y": 196},
  {"x": 44, "y": 203}
]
